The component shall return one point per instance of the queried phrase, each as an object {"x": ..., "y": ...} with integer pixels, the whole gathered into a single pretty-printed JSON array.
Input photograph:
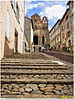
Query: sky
[{"x": 52, "y": 9}]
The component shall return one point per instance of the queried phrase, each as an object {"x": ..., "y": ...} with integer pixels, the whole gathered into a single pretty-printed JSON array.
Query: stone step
[
  {"x": 12, "y": 96},
  {"x": 14, "y": 64},
  {"x": 37, "y": 70},
  {"x": 36, "y": 89},
  {"x": 25, "y": 62},
  {"x": 34, "y": 73},
  {"x": 46, "y": 76},
  {"x": 32, "y": 67},
  {"x": 31, "y": 96},
  {"x": 36, "y": 81}
]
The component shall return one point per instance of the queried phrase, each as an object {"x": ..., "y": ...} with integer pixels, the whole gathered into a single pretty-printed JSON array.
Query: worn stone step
[
  {"x": 30, "y": 62},
  {"x": 14, "y": 64},
  {"x": 30, "y": 96},
  {"x": 27, "y": 73},
  {"x": 36, "y": 81},
  {"x": 32, "y": 67},
  {"x": 37, "y": 70},
  {"x": 11, "y": 96},
  {"x": 46, "y": 76}
]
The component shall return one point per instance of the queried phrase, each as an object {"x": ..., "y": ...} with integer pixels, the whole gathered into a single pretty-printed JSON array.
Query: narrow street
[
  {"x": 36, "y": 75},
  {"x": 62, "y": 56}
]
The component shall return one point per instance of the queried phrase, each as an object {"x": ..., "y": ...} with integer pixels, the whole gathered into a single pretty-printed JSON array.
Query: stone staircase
[{"x": 34, "y": 75}]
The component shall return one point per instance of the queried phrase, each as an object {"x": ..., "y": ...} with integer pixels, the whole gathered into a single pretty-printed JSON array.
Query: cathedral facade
[{"x": 40, "y": 30}]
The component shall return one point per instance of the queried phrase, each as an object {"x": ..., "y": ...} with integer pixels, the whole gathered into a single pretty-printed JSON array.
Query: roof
[
  {"x": 30, "y": 20},
  {"x": 64, "y": 15},
  {"x": 35, "y": 15},
  {"x": 68, "y": 2},
  {"x": 55, "y": 24}
]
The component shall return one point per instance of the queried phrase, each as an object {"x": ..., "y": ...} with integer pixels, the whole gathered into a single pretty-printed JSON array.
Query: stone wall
[
  {"x": 40, "y": 28},
  {"x": 16, "y": 26}
]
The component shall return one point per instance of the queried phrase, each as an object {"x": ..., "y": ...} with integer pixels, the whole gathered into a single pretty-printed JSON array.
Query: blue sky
[{"x": 54, "y": 10}]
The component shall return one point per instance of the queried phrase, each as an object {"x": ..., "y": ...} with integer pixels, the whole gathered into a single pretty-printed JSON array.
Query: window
[
  {"x": 68, "y": 34},
  {"x": 62, "y": 27},
  {"x": 35, "y": 27},
  {"x": 67, "y": 25},
  {"x": 14, "y": 5},
  {"x": 25, "y": 33},
  {"x": 67, "y": 17},
  {"x": 17, "y": 12},
  {"x": 62, "y": 35},
  {"x": 21, "y": 45},
  {"x": 22, "y": 4},
  {"x": 45, "y": 22},
  {"x": 69, "y": 43},
  {"x": 43, "y": 27},
  {"x": 72, "y": 4},
  {"x": 8, "y": 25},
  {"x": 59, "y": 46},
  {"x": 19, "y": 15},
  {"x": 43, "y": 40},
  {"x": 44, "y": 18},
  {"x": 35, "y": 20},
  {"x": 21, "y": 23}
]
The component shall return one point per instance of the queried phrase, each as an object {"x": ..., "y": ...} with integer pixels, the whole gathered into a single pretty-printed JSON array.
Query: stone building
[
  {"x": 40, "y": 30},
  {"x": 28, "y": 30},
  {"x": 65, "y": 31},
  {"x": 12, "y": 27},
  {"x": 55, "y": 37},
  {"x": 71, "y": 24},
  {"x": 64, "y": 38}
]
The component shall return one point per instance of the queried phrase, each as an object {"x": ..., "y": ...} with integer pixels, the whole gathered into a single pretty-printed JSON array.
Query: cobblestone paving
[
  {"x": 61, "y": 56},
  {"x": 35, "y": 75}
]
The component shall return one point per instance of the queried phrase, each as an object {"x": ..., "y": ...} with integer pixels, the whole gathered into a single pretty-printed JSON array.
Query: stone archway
[{"x": 35, "y": 39}]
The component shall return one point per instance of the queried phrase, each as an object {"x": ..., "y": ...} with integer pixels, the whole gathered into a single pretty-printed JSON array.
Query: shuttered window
[
  {"x": 14, "y": 5},
  {"x": 21, "y": 23},
  {"x": 8, "y": 25},
  {"x": 19, "y": 15},
  {"x": 67, "y": 25},
  {"x": 21, "y": 45},
  {"x": 22, "y": 4}
]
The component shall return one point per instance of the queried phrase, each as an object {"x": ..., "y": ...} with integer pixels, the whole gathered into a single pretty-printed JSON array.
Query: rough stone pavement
[{"x": 36, "y": 75}]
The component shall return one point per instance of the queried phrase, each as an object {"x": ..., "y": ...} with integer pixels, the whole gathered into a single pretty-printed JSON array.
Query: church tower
[{"x": 40, "y": 30}]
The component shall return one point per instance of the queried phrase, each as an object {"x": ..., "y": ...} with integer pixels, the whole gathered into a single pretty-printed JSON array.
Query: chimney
[{"x": 27, "y": 16}]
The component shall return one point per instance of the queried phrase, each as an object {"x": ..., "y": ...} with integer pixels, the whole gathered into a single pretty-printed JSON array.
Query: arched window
[
  {"x": 35, "y": 27},
  {"x": 43, "y": 27},
  {"x": 44, "y": 18},
  {"x": 69, "y": 43},
  {"x": 43, "y": 40},
  {"x": 45, "y": 22},
  {"x": 35, "y": 39},
  {"x": 35, "y": 20}
]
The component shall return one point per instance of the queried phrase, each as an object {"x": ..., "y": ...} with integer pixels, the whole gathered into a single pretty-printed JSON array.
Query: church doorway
[
  {"x": 43, "y": 40},
  {"x": 35, "y": 40}
]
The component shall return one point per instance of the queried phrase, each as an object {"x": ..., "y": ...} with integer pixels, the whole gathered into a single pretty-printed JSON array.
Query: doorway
[
  {"x": 35, "y": 40},
  {"x": 16, "y": 41},
  {"x": 43, "y": 40}
]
